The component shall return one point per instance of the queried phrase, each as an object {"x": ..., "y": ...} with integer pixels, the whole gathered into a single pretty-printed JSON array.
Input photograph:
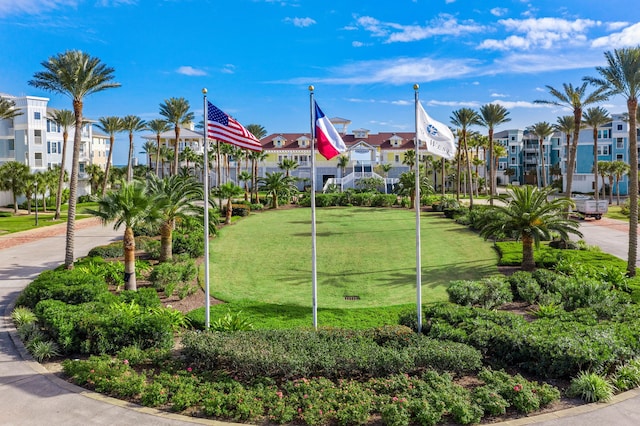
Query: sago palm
[
  {"x": 277, "y": 185},
  {"x": 526, "y": 214}
]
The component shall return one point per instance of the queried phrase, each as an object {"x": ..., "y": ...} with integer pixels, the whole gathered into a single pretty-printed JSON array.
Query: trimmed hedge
[
  {"x": 331, "y": 353},
  {"x": 70, "y": 286}
]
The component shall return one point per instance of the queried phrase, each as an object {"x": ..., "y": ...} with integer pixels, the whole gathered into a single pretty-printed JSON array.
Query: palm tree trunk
[
  {"x": 632, "y": 106},
  {"x": 528, "y": 262},
  {"x": 129, "y": 245},
  {"x": 492, "y": 170},
  {"x": 544, "y": 175},
  {"x": 73, "y": 186},
  {"x": 595, "y": 162},
  {"x": 107, "y": 167},
  {"x": 464, "y": 137},
  {"x": 65, "y": 136},
  {"x": 166, "y": 243},
  {"x": 129, "y": 159},
  {"x": 577, "y": 123},
  {"x": 158, "y": 150},
  {"x": 227, "y": 218}
]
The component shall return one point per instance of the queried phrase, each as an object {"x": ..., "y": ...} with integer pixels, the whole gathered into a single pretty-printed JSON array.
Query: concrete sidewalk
[{"x": 31, "y": 395}]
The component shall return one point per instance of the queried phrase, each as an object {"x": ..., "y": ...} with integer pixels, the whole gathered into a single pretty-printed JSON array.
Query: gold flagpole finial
[
  {"x": 204, "y": 91},
  {"x": 311, "y": 88},
  {"x": 416, "y": 86}
]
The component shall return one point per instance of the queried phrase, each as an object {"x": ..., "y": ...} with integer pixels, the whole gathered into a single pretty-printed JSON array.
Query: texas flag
[{"x": 330, "y": 143}]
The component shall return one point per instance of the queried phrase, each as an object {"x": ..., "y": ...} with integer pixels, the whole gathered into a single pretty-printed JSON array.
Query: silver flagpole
[
  {"x": 207, "y": 302},
  {"x": 417, "y": 202},
  {"x": 314, "y": 273}
]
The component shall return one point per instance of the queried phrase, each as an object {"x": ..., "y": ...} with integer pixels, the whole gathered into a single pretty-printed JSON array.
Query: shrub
[
  {"x": 109, "y": 251},
  {"x": 191, "y": 244},
  {"x": 22, "y": 316},
  {"x": 70, "y": 286},
  {"x": 43, "y": 350},
  {"x": 465, "y": 293},
  {"x": 488, "y": 292},
  {"x": 231, "y": 322},
  {"x": 627, "y": 376},
  {"x": 524, "y": 286},
  {"x": 590, "y": 387},
  {"x": 166, "y": 276}
]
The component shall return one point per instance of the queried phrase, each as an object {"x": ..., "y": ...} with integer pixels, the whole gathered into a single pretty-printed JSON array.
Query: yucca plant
[
  {"x": 43, "y": 350},
  {"x": 231, "y": 321},
  {"x": 591, "y": 387},
  {"x": 22, "y": 315},
  {"x": 627, "y": 376}
]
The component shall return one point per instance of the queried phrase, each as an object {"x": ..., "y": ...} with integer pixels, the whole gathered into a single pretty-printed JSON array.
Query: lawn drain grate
[{"x": 352, "y": 298}]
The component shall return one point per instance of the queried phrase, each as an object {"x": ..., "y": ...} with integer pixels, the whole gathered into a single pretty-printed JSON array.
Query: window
[
  {"x": 513, "y": 160},
  {"x": 604, "y": 134},
  {"x": 36, "y": 115},
  {"x": 619, "y": 126},
  {"x": 619, "y": 157},
  {"x": 38, "y": 158},
  {"x": 37, "y": 136},
  {"x": 513, "y": 149},
  {"x": 619, "y": 143},
  {"x": 603, "y": 149},
  {"x": 396, "y": 158}
]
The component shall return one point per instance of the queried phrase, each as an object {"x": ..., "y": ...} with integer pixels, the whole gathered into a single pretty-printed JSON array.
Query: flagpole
[
  {"x": 207, "y": 301},
  {"x": 314, "y": 272},
  {"x": 417, "y": 206}
]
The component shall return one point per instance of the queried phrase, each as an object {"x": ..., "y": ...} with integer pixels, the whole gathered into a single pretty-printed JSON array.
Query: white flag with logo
[{"x": 437, "y": 136}]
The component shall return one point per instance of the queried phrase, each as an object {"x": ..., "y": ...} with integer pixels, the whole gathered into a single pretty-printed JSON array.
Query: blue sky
[{"x": 258, "y": 57}]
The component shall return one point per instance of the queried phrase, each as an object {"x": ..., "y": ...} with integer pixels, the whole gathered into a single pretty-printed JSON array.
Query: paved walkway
[{"x": 30, "y": 395}]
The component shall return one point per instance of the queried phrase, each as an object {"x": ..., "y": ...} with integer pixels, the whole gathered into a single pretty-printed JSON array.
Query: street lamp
[{"x": 36, "y": 185}]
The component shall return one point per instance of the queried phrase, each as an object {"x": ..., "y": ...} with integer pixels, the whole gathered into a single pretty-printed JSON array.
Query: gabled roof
[{"x": 375, "y": 140}]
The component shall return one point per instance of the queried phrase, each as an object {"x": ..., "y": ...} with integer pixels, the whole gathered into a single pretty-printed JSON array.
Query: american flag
[{"x": 224, "y": 128}]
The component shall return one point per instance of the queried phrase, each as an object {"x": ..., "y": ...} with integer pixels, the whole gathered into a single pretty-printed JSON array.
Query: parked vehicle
[{"x": 588, "y": 207}]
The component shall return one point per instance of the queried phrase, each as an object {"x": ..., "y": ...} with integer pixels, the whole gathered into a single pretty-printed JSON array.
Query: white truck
[{"x": 588, "y": 207}]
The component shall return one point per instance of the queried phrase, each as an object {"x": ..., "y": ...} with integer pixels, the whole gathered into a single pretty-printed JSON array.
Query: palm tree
[
  {"x": 188, "y": 155},
  {"x": 463, "y": 118},
  {"x": 130, "y": 206},
  {"x": 499, "y": 151},
  {"x": 65, "y": 119},
  {"x": 96, "y": 175},
  {"x": 542, "y": 130},
  {"x": 565, "y": 124},
  {"x": 619, "y": 169},
  {"x": 8, "y": 109},
  {"x": 594, "y": 118},
  {"x": 111, "y": 126},
  {"x": 277, "y": 185},
  {"x": 409, "y": 159},
  {"x": 175, "y": 197},
  {"x": 245, "y": 177},
  {"x": 76, "y": 74},
  {"x": 603, "y": 172},
  {"x": 407, "y": 187},
  {"x": 256, "y": 157},
  {"x": 492, "y": 115},
  {"x": 176, "y": 112},
  {"x": 40, "y": 180},
  {"x": 526, "y": 214},
  {"x": 343, "y": 161},
  {"x": 621, "y": 76},
  {"x": 132, "y": 124},
  {"x": 149, "y": 148},
  {"x": 288, "y": 164},
  {"x": 158, "y": 127},
  {"x": 228, "y": 191},
  {"x": 575, "y": 99},
  {"x": 13, "y": 177}
]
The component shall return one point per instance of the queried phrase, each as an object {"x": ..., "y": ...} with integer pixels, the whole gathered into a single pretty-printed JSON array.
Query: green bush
[
  {"x": 524, "y": 286},
  {"x": 191, "y": 244},
  {"x": 108, "y": 251},
  {"x": 70, "y": 286},
  {"x": 488, "y": 293},
  {"x": 591, "y": 387},
  {"x": 328, "y": 353},
  {"x": 166, "y": 276}
]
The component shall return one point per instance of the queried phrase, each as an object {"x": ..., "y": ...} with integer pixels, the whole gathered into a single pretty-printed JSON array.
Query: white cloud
[
  {"x": 498, "y": 11},
  {"x": 468, "y": 104},
  {"x": 228, "y": 69},
  {"x": 615, "y": 26},
  {"x": 110, "y": 3},
  {"x": 300, "y": 22},
  {"x": 499, "y": 95},
  {"x": 443, "y": 25},
  {"x": 33, "y": 7},
  {"x": 519, "y": 104},
  {"x": 357, "y": 44},
  {"x": 190, "y": 71},
  {"x": 628, "y": 37},
  {"x": 541, "y": 33}
]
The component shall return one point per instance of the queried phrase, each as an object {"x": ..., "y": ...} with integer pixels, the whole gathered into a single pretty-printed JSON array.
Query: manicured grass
[
  {"x": 364, "y": 252},
  {"x": 614, "y": 212},
  {"x": 24, "y": 222}
]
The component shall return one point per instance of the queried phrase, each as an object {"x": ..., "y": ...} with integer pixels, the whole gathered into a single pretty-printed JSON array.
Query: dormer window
[
  {"x": 395, "y": 141},
  {"x": 303, "y": 143},
  {"x": 279, "y": 143}
]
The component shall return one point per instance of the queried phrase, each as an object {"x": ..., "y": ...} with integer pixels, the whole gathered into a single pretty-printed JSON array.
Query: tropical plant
[
  {"x": 188, "y": 155},
  {"x": 277, "y": 185},
  {"x": 149, "y": 148},
  {"x": 8, "y": 109},
  {"x": 492, "y": 115},
  {"x": 246, "y": 177},
  {"x": 619, "y": 169},
  {"x": 410, "y": 159},
  {"x": 176, "y": 112},
  {"x": 158, "y": 127},
  {"x": 256, "y": 157},
  {"x": 594, "y": 118},
  {"x": 604, "y": 170},
  {"x": 228, "y": 191},
  {"x": 130, "y": 206},
  {"x": 110, "y": 125},
  {"x": 542, "y": 130},
  {"x": 174, "y": 197},
  {"x": 343, "y": 161},
  {"x": 65, "y": 119},
  {"x": 407, "y": 187},
  {"x": 621, "y": 76},
  {"x": 77, "y": 75},
  {"x": 526, "y": 214},
  {"x": 288, "y": 164},
  {"x": 463, "y": 118},
  {"x": 565, "y": 125},
  {"x": 574, "y": 98},
  {"x": 13, "y": 177},
  {"x": 132, "y": 124},
  {"x": 590, "y": 387}
]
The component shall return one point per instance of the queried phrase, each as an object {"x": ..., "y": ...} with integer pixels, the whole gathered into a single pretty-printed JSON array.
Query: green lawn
[
  {"x": 363, "y": 252},
  {"x": 24, "y": 222}
]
